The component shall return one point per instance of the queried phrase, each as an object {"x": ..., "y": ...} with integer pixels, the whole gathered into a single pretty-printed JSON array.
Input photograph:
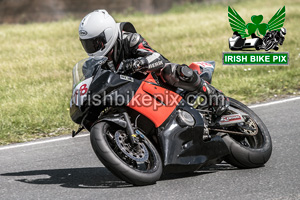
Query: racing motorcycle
[
  {"x": 270, "y": 43},
  {"x": 140, "y": 127}
]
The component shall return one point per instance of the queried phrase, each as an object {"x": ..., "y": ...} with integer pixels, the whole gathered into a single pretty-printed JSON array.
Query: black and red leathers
[{"x": 132, "y": 53}]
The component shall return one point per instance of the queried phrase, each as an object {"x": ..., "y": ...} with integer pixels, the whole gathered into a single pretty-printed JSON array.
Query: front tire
[
  {"x": 250, "y": 151},
  {"x": 111, "y": 146}
]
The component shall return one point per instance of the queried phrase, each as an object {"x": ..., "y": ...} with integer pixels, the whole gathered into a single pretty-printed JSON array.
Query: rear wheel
[
  {"x": 137, "y": 164},
  {"x": 248, "y": 151}
]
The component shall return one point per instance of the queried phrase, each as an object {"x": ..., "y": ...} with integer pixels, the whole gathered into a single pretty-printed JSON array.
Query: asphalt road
[{"x": 67, "y": 168}]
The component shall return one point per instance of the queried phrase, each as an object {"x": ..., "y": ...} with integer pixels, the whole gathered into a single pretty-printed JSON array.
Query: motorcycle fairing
[
  {"x": 105, "y": 84},
  {"x": 106, "y": 80},
  {"x": 183, "y": 146},
  {"x": 160, "y": 101},
  {"x": 204, "y": 68}
]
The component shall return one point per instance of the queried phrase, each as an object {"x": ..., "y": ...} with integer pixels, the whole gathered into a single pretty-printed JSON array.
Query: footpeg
[{"x": 206, "y": 135}]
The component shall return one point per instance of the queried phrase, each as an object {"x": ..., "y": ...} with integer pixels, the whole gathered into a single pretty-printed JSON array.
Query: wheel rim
[
  {"x": 142, "y": 159},
  {"x": 139, "y": 153}
]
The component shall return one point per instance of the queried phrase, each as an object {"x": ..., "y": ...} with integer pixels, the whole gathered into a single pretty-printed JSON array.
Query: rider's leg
[{"x": 183, "y": 77}]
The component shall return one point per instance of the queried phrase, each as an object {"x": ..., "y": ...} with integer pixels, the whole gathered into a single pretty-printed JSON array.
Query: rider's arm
[{"x": 140, "y": 49}]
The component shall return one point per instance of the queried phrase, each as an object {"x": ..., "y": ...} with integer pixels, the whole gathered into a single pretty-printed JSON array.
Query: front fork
[
  {"x": 122, "y": 120},
  {"x": 129, "y": 129}
]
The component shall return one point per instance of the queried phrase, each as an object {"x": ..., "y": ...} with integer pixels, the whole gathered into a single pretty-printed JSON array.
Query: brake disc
[
  {"x": 138, "y": 153},
  {"x": 252, "y": 130}
]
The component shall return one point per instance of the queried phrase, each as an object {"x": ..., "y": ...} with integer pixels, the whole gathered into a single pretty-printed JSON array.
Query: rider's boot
[
  {"x": 216, "y": 99},
  {"x": 276, "y": 48}
]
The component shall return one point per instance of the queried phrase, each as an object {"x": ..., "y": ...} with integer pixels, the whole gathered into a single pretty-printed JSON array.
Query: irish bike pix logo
[{"x": 256, "y": 36}]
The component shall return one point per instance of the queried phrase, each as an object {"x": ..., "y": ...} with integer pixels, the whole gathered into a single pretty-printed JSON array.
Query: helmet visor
[{"x": 94, "y": 44}]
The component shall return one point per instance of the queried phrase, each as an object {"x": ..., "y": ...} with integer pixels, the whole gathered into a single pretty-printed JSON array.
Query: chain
[{"x": 235, "y": 132}]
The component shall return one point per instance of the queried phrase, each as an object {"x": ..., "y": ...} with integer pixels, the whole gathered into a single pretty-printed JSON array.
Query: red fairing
[
  {"x": 195, "y": 67},
  {"x": 198, "y": 66},
  {"x": 154, "y": 102}
]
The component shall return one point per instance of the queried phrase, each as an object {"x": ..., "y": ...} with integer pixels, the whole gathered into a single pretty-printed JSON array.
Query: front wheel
[
  {"x": 248, "y": 151},
  {"x": 136, "y": 164}
]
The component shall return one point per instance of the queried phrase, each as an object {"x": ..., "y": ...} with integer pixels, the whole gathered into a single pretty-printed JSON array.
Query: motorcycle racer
[
  {"x": 277, "y": 35},
  {"x": 129, "y": 53}
]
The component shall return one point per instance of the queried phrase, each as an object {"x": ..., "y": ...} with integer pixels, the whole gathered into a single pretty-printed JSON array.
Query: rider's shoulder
[{"x": 132, "y": 38}]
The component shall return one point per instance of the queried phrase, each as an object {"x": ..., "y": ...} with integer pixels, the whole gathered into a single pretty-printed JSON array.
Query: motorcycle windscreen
[{"x": 85, "y": 68}]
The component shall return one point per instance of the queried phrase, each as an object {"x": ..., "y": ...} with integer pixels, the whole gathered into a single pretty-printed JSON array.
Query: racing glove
[{"x": 131, "y": 66}]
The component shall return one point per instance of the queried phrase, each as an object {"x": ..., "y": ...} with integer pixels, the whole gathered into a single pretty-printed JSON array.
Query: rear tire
[
  {"x": 269, "y": 45},
  {"x": 259, "y": 148},
  {"x": 120, "y": 165}
]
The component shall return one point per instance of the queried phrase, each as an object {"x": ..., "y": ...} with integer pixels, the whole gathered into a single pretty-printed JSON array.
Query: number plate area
[{"x": 80, "y": 92}]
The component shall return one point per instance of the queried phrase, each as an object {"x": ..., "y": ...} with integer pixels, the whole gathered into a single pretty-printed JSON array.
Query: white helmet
[
  {"x": 98, "y": 33},
  {"x": 282, "y": 32}
]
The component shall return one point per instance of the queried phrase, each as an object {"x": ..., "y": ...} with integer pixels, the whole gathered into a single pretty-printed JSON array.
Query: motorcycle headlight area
[{"x": 185, "y": 118}]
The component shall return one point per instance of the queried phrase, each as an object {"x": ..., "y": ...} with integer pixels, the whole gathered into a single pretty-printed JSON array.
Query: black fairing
[
  {"x": 107, "y": 81},
  {"x": 105, "y": 84},
  {"x": 76, "y": 114},
  {"x": 183, "y": 147}
]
